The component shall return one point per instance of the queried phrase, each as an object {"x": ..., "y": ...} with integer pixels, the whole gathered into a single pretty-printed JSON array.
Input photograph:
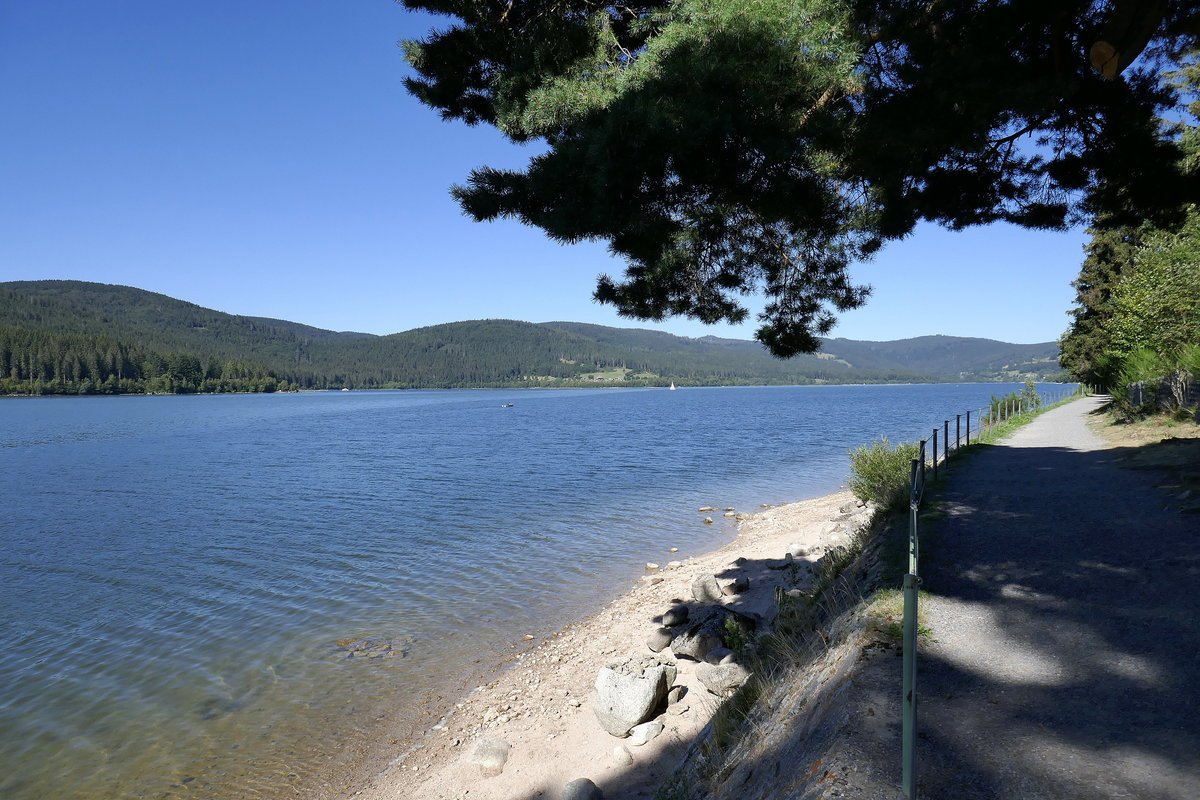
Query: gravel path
[
  {"x": 1061, "y": 589},
  {"x": 1063, "y": 600}
]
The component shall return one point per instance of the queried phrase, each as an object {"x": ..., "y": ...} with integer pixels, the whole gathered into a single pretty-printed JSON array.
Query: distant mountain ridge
[{"x": 472, "y": 353}]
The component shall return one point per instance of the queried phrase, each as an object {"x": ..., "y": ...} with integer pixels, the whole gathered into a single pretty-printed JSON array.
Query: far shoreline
[{"x": 66, "y": 395}]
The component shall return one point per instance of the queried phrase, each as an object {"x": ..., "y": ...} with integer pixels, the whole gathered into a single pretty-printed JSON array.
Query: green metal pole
[
  {"x": 909, "y": 729},
  {"x": 909, "y": 700},
  {"x": 935, "y": 433},
  {"x": 914, "y": 502},
  {"x": 922, "y": 446}
]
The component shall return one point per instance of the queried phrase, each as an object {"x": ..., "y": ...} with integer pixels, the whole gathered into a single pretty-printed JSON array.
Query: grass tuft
[{"x": 885, "y": 611}]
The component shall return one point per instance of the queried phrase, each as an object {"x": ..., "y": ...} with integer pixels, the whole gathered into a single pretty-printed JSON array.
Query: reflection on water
[{"x": 245, "y": 596}]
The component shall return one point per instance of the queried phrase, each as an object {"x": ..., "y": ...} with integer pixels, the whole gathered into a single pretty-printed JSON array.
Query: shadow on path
[{"x": 1064, "y": 604}]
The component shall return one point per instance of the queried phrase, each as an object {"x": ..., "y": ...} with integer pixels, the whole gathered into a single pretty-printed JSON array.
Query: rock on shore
[
  {"x": 649, "y": 668},
  {"x": 627, "y": 692}
]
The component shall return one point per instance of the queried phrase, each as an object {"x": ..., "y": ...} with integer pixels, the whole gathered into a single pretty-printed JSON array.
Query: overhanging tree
[
  {"x": 727, "y": 147},
  {"x": 1138, "y": 291}
]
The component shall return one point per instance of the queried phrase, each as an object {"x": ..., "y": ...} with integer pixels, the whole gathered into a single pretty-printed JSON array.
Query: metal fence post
[
  {"x": 958, "y": 431},
  {"x": 935, "y": 454},
  {"x": 946, "y": 442},
  {"x": 909, "y": 732},
  {"x": 968, "y": 429},
  {"x": 908, "y": 738},
  {"x": 923, "y": 462},
  {"x": 914, "y": 502}
]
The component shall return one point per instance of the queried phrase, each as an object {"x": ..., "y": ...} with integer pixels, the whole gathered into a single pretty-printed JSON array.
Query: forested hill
[{"x": 71, "y": 336}]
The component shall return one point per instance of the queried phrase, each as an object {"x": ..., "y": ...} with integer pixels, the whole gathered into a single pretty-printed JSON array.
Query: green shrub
[
  {"x": 736, "y": 638},
  {"x": 880, "y": 471},
  {"x": 1000, "y": 405},
  {"x": 1031, "y": 399},
  {"x": 1142, "y": 365}
]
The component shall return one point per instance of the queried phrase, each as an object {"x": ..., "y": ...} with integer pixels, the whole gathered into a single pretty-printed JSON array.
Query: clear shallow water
[{"x": 177, "y": 572}]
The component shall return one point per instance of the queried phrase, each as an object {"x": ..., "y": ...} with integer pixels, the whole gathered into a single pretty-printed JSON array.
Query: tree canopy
[
  {"x": 1137, "y": 311},
  {"x": 1156, "y": 305},
  {"x": 1138, "y": 300},
  {"x": 728, "y": 147}
]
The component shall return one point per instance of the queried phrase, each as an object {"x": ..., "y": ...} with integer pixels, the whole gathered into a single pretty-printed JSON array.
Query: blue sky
[{"x": 263, "y": 158}]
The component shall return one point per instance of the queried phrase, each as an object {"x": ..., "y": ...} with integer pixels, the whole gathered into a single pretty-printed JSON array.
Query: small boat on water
[
  {"x": 506, "y": 405},
  {"x": 672, "y": 386}
]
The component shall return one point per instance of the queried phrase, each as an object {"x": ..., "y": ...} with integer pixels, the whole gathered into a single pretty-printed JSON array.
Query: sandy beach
[{"x": 541, "y": 708}]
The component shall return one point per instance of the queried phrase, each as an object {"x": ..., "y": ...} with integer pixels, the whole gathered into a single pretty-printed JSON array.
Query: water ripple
[{"x": 178, "y": 572}]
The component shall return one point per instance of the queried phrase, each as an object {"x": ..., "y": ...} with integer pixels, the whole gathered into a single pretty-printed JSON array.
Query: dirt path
[{"x": 1063, "y": 601}]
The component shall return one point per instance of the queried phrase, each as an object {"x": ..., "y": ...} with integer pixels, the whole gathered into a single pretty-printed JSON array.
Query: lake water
[{"x": 181, "y": 576}]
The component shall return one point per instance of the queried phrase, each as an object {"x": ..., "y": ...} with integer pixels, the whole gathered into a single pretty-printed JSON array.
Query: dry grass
[
  {"x": 1169, "y": 444},
  {"x": 1153, "y": 429}
]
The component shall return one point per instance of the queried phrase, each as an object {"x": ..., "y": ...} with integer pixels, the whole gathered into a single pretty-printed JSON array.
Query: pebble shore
[{"x": 534, "y": 731}]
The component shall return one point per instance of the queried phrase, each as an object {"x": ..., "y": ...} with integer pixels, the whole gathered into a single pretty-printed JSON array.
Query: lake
[{"x": 267, "y": 595}]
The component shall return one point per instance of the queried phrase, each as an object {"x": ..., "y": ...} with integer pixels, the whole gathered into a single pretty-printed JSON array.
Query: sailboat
[{"x": 672, "y": 386}]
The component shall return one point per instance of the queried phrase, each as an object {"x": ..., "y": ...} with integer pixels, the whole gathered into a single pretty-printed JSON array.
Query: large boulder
[
  {"x": 628, "y": 692},
  {"x": 739, "y": 585},
  {"x": 659, "y": 639},
  {"x": 706, "y": 589},
  {"x": 706, "y": 630},
  {"x": 722, "y": 679},
  {"x": 675, "y": 615},
  {"x": 695, "y": 644},
  {"x": 720, "y": 655}
]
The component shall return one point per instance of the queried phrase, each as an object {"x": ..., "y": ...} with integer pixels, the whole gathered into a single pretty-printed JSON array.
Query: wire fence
[
  {"x": 1179, "y": 389},
  {"x": 978, "y": 424}
]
